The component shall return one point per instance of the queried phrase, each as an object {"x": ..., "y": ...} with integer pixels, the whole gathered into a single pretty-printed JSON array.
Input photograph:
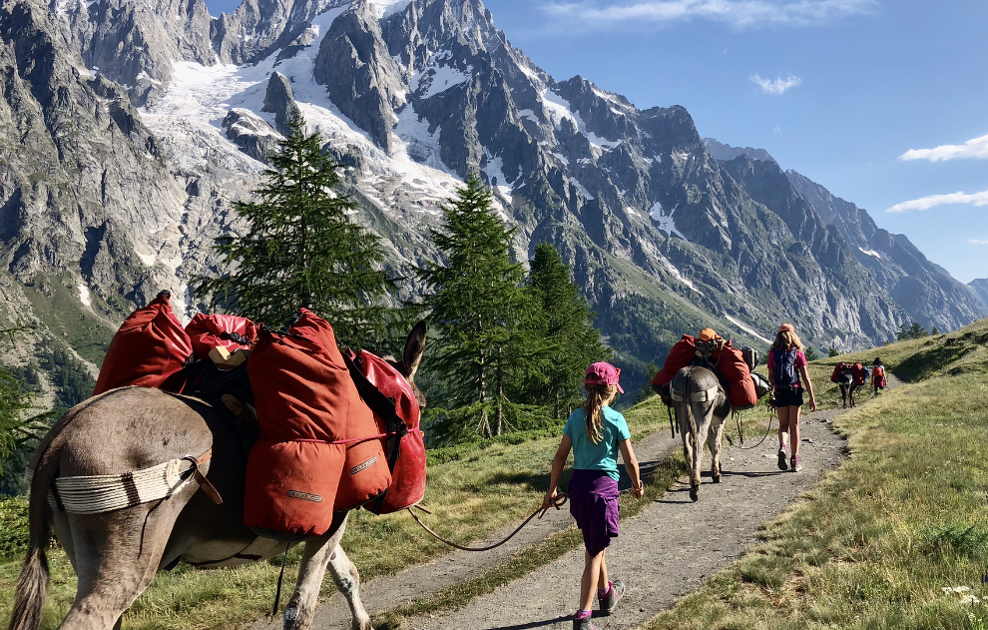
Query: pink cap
[{"x": 603, "y": 373}]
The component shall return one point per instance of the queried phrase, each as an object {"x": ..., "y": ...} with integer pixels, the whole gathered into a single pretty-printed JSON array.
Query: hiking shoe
[
  {"x": 795, "y": 464},
  {"x": 584, "y": 624},
  {"x": 782, "y": 460},
  {"x": 608, "y": 603}
]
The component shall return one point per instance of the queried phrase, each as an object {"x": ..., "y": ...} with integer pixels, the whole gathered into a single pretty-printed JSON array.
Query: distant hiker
[
  {"x": 786, "y": 367},
  {"x": 878, "y": 380},
  {"x": 596, "y": 433}
]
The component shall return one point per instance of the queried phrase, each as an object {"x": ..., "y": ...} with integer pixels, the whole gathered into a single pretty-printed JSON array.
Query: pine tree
[
  {"x": 811, "y": 354},
  {"x": 479, "y": 311},
  {"x": 565, "y": 322},
  {"x": 302, "y": 250}
]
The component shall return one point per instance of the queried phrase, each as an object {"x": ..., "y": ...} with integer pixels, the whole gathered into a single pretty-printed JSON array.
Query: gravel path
[
  {"x": 663, "y": 553},
  {"x": 388, "y": 592}
]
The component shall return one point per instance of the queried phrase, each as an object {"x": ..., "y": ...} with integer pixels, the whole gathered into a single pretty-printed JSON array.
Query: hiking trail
[{"x": 662, "y": 554}]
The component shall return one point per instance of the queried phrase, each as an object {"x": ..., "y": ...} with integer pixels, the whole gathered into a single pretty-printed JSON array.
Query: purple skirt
[{"x": 593, "y": 502}]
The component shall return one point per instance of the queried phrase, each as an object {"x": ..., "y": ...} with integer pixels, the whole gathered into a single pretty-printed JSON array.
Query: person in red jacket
[
  {"x": 787, "y": 369},
  {"x": 878, "y": 379}
]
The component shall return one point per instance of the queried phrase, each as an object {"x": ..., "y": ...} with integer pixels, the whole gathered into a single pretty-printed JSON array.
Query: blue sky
[{"x": 878, "y": 98}]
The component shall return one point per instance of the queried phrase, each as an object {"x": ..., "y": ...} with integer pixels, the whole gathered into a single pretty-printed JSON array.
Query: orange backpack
[{"x": 148, "y": 350}]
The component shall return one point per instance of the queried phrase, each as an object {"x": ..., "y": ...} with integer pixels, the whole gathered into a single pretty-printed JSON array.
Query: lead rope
[
  {"x": 281, "y": 578},
  {"x": 558, "y": 501},
  {"x": 768, "y": 429}
]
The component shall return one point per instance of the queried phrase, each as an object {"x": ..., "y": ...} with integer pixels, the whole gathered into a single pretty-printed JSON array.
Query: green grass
[
  {"x": 472, "y": 495},
  {"x": 876, "y": 544}
]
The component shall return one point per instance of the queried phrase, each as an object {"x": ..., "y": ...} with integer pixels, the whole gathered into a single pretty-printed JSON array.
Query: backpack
[
  {"x": 784, "y": 373},
  {"x": 864, "y": 372},
  {"x": 880, "y": 380}
]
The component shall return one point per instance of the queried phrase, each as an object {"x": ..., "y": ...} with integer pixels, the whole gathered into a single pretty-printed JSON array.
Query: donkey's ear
[{"x": 414, "y": 349}]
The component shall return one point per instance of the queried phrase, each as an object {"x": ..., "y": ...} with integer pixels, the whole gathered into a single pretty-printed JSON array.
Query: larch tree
[
  {"x": 301, "y": 249},
  {"x": 480, "y": 312},
  {"x": 565, "y": 323}
]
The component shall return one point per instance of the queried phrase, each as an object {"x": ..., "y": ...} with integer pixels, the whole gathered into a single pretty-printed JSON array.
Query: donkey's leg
[
  {"x": 689, "y": 452},
  {"x": 117, "y": 555},
  {"x": 348, "y": 581},
  {"x": 714, "y": 442},
  {"x": 322, "y": 553}
]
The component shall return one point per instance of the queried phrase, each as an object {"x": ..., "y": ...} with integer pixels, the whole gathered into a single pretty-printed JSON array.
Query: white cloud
[
  {"x": 976, "y": 149},
  {"x": 978, "y": 241},
  {"x": 737, "y": 13},
  {"x": 925, "y": 203},
  {"x": 777, "y": 86}
]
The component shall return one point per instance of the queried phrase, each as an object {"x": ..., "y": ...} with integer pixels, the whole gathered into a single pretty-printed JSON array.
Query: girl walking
[
  {"x": 596, "y": 433},
  {"x": 787, "y": 368}
]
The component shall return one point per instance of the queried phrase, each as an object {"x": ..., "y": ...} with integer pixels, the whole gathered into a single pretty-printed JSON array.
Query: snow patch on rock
[
  {"x": 84, "y": 295},
  {"x": 665, "y": 221},
  {"x": 747, "y": 329},
  {"x": 870, "y": 252}
]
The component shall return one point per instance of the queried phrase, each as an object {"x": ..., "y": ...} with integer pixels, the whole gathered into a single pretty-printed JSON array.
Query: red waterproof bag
[
  {"x": 213, "y": 331},
  {"x": 366, "y": 474},
  {"x": 735, "y": 369},
  {"x": 303, "y": 395},
  {"x": 835, "y": 376},
  {"x": 857, "y": 370},
  {"x": 408, "y": 477},
  {"x": 680, "y": 355},
  {"x": 149, "y": 347}
]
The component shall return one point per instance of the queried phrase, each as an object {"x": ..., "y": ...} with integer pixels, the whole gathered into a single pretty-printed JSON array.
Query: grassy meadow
[
  {"x": 898, "y": 536},
  {"x": 472, "y": 491}
]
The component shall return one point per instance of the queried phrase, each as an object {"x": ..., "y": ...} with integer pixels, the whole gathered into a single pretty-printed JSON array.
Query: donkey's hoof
[
  {"x": 716, "y": 477},
  {"x": 695, "y": 493}
]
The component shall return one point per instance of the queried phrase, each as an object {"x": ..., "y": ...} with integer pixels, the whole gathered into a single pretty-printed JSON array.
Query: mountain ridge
[{"x": 410, "y": 97}]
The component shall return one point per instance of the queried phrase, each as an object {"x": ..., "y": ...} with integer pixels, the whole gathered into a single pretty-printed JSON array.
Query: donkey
[
  {"x": 116, "y": 554},
  {"x": 847, "y": 384},
  {"x": 701, "y": 407}
]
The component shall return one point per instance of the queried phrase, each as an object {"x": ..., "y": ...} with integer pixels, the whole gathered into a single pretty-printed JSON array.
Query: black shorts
[{"x": 789, "y": 397}]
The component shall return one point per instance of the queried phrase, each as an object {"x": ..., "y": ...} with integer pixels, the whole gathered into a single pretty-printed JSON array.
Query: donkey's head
[{"x": 411, "y": 358}]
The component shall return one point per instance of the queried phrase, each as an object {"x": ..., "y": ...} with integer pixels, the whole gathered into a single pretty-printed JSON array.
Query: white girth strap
[
  {"x": 105, "y": 493},
  {"x": 704, "y": 395}
]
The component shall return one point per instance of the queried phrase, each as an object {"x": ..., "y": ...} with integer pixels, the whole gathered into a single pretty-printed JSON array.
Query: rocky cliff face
[
  {"x": 666, "y": 233},
  {"x": 925, "y": 290},
  {"x": 980, "y": 289}
]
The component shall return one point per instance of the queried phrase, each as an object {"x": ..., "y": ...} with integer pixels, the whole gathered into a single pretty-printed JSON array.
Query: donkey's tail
[{"x": 32, "y": 585}]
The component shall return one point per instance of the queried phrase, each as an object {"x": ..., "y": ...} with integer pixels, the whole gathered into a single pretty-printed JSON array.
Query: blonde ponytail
[{"x": 597, "y": 397}]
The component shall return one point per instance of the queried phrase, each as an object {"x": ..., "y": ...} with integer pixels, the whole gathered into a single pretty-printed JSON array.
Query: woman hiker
[
  {"x": 878, "y": 379},
  {"x": 596, "y": 433},
  {"x": 787, "y": 368}
]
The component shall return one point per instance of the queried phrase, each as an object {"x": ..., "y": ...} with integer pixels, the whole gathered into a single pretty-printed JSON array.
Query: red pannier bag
[
  {"x": 857, "y": 370},
  {"x": 304, "y": 395},
  {"x": 408, "y": 476},
  {"x": 680, "y": 355},
  {"x": 213, "y": 331},
  {"x": 835, "y": 376},
  {"x": 735, "y": 369},
  {"x": 149, "y": 347}
]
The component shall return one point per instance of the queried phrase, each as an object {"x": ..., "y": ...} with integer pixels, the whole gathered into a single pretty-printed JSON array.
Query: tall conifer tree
[
  {"x": 479, "y": 311},
  {"x": 566, "y": 325},
  {"x": 302, "y": 250}
]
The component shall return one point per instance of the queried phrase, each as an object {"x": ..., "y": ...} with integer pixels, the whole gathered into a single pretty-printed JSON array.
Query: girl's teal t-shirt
[{"x": 601, "y": 456}]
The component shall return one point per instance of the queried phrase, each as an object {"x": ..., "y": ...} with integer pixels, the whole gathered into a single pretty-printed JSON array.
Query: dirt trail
[
  {"x": 663, "y": 553},
  {"x": 421, "y": 580}
]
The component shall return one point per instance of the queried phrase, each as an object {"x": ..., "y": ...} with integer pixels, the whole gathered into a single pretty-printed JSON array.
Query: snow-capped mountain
[{"x": 155, "y": 116}]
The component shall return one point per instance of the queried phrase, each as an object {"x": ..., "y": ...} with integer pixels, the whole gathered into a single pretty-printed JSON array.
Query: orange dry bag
[
  {"x": 680, "y": 355},
  {"x": 735, "y": 369},
  {"x": 149, "y": 347},
  {"x": 397, "y": 410},
  {"x": 213, "y": 331},
  {"x": 303, "y": 395}
]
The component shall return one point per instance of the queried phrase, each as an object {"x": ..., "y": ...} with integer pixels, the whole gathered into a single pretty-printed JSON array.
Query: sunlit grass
[
  {"x": 879, "y": 540},
  {"x": 471, "y": 497}
]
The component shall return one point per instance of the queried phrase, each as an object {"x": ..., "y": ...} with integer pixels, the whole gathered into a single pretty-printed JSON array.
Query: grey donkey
[
  {"x": 117, "y": 554},
  {"x": 701, "y": 408}
]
